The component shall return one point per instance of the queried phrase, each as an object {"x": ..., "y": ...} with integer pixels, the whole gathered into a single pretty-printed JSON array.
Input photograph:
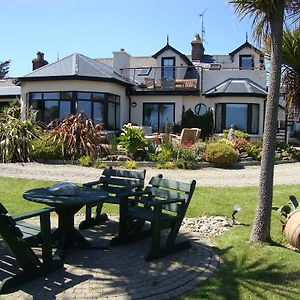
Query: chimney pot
[
  {"x": 197, "y": 48},
  {"x": 39, "y": 61}
]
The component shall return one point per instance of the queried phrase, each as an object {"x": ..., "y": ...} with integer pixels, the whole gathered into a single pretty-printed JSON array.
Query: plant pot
[{"x": 292, "y": 228}]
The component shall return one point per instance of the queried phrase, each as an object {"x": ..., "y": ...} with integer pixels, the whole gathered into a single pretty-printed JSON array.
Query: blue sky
[{"x": 96, "y": 28}]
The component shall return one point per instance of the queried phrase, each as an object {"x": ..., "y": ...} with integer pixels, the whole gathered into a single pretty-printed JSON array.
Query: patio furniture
[
  {"x": 163, "y": 204},
  {"x": 66, "y": 206},
  {"x": 187, "y": 136},
  {"x": 19, "y": 236},
  {"x": 115, "y": 182}
]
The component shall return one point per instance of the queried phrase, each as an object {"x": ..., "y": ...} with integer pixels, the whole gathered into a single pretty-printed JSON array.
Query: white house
[{"x": 152, "y": 91}]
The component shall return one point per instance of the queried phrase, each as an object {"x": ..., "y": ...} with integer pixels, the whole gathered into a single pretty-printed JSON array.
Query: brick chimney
[
  {"x": 197, "y": 48},
  {"x": 38, "y": 61}
]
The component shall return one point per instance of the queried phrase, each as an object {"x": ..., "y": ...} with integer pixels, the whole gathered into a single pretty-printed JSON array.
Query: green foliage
[
  {"x": 166, "y": 165},
  {"x": 99, "y": 164},
  {"x": 78, "y": 137},
  {"x": 239, "y": 134},
  {"x": 130, "y": 164},
  {"x": 43, "y": 148},
  {"x": 221, "y": 154},
  {"x": 254, "y": 150},
  {"x": 132, "y": 140},
  {"x": 16, "y": 136},
  {"x": 113, "y": 145},
  {"x": 86, "y": 161},
  {"x": 205, "y": 122},
  {"x": 187, "y": 158},
  {"x": 4, "y": 68}
]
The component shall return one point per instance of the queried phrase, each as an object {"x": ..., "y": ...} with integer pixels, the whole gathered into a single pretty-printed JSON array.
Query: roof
[
  {"x": 236, "y": 87},
  {"x": 246, "y": 44},
  {"x": 76, "y": 65},
  {"x": 168, "y": 47},
  {"x": 8, "y": 88}
]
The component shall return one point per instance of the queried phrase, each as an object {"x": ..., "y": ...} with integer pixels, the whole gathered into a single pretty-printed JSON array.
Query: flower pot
[{"x": 292, "y": 228}]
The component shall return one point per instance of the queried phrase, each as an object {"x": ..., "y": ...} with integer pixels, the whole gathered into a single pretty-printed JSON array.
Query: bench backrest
[
  {"x": 116, "y": 181},
  {"x": 164, "y": 189}
]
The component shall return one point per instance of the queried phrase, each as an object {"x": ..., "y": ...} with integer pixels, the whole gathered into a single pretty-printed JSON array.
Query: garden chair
[
  {"x": 163, "y": 204},
  {"x": 115, "y": 182},
  {"x": 187, "y": 136},
  {"x": 19, "y": 237}
]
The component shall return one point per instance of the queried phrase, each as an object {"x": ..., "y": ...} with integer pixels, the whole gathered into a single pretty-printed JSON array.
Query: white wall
[{"x": 77, "y": 85}]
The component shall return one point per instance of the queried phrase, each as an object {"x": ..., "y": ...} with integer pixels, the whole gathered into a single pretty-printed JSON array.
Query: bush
[
  {"x": 221, "y": 154},
  {"x": 238, "y": 134},
  {"x": 16, "y": 135},
  {"x": 187, "y": 158},
  {"x": 78, "y": 137},
  {"x": 132, "y": 140},
  {"x": 254, "y": 150},
  {"x": 166, "y": 165},
  {"x": 240, "y": 144},
  {"x": 130, "y": 164},
  {"x": 42, "y": 148},
  {"x": 86, "y": 161}
]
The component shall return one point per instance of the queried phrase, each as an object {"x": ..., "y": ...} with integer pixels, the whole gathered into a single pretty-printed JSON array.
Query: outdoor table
[{"x": 66, "y": 235}]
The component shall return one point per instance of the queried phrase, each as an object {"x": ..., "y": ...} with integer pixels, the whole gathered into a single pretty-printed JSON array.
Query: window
[
  {"x": 168, "y": 70},
  {"x": 144, "y": 72},
  {"x": 102, "y": 108},
  {"x": 158, "y": 115},
  {"x": 246, "y": 62},
  {"x": 244, "y": 116}
]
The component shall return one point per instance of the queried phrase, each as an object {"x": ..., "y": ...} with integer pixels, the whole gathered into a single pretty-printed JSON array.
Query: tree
[
  {"x": 4, "y": 68},
  {"x": 268, "y": 19}
]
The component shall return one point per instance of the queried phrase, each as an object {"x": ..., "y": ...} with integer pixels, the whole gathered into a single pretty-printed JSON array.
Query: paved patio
[{"x": 121, "y": 272}]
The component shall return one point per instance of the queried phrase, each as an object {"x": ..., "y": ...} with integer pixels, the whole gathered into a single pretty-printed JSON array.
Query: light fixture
[
  {"x": 235, "y": 210},
  {"x": 133, "y": 104}
]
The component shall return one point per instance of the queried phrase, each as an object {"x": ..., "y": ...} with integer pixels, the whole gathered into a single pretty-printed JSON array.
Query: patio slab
[{"x": 121, "y": 272}]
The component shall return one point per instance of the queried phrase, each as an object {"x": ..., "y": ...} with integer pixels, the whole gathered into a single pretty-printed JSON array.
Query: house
[
  {"x": 152, "y": 90},
  {"x": 9, "y": 92}
]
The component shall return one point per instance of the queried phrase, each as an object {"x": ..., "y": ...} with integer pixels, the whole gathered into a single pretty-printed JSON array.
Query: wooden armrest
[
  {"x": 33, "y": 214},
  {"x": 135, "y": 193},
  {"x": 92, "y": 183},
  {"x": 154, "y": 202}
]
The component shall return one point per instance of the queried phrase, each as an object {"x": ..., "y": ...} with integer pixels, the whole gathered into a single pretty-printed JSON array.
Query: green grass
[{"x": 248, "y": 271}]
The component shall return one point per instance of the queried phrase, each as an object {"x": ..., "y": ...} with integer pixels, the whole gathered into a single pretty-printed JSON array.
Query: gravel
[{"x": 247, "y": 176}]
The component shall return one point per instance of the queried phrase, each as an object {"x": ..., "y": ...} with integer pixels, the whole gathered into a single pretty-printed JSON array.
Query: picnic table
[{"x": 66, "y": 206}]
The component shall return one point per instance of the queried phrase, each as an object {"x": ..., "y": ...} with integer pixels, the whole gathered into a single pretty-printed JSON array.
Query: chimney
[
  {"x": 38, "y": 61},
  {"x": 197, "y": 48},
  {"x": 121, "y": 60}
]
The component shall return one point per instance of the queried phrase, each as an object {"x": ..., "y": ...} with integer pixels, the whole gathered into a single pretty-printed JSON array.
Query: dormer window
[
  {"x": 168, "y": 70},
  {"x": 246, "y": 62}
]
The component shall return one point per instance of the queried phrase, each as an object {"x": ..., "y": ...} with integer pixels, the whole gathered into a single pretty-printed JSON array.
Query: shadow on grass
[{"x": 239, "y": 278}]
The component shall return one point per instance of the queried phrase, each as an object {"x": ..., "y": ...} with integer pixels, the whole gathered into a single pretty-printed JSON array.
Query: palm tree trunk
[{"x": 262, "y": 222}]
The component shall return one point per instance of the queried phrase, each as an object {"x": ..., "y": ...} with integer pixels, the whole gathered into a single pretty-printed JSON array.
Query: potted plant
[{"x": 291, "y": 223}]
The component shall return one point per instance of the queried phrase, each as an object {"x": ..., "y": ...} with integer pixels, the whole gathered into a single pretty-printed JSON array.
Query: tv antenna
[{"x": 202, "y": 24}]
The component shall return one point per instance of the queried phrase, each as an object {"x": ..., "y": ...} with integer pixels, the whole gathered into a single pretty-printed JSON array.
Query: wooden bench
[
  {"x": 20, "y": 236},
  {"x": 163, "y": 204},
  {"x": 115, "y": 182}
]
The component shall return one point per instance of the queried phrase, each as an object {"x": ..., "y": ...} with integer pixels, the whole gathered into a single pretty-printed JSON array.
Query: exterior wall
[
  {"x": 137, "y": 112},
  {"x": 213, "y": 77},
  {"x": 77, "y": 85},
  {"x": 179, "y": 72}
]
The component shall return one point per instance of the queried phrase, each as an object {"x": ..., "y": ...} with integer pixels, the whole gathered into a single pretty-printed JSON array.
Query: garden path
[{"x": 244, "y": 176}]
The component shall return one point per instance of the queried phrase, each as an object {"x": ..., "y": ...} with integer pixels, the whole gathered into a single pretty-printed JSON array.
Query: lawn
[{"x": 247, "y": 271}]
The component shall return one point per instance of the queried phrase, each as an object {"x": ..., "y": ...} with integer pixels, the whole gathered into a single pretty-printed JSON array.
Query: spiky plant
[
  {"x": 16, "y": 135},
  {"x": 78, "y": 137}
]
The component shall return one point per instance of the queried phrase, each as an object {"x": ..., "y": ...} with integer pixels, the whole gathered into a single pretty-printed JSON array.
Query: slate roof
[
  {"x": 8, "y": 88},
  {"x": 76, "y": 65},
  {"x": 232, "y": 86}
]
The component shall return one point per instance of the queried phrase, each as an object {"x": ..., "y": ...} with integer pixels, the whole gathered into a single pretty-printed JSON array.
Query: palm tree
[
  {"x": 268, "y": 19},
  {"x": 4, "y": 68}
]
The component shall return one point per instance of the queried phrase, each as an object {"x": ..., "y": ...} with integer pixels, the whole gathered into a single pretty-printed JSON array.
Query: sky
[{"x": 96, "y": 28}]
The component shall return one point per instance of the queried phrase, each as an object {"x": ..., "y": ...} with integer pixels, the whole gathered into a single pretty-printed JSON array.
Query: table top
[{"x": 85, "y": 196}]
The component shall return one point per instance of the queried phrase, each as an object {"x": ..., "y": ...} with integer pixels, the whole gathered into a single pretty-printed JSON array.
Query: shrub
[
  {"x": 237, "y": 134},
  {"x": 254, "y": 150},
  {"x": 130, "y": 164},
  {"x": 221, "y": 154},
  {"x": 99, "y": 164},
  {"x": 187, "y": 158},
  {"x": 86, "y": 161},
  {"x": 43, "y": 148},
  {"x": 240, "y": 144},
  {"x": 16, "y": 135},
  {"x": 78, "y": 137},
  {"x": 132, "y": 140},
  {"x": 166, "y": 165},
  {"x": 113, "y": 145}
]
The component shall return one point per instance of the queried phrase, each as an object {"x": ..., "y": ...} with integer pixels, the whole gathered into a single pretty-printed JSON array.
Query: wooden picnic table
[{"x": 66, "y": 235}]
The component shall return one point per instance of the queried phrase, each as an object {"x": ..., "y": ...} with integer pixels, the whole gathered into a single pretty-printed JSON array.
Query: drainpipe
[{"x": 129, "y": 111}]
